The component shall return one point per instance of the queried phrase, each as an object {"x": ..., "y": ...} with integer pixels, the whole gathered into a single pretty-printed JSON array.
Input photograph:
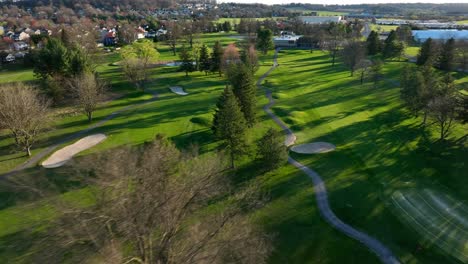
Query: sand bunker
[
  {"x": 314, "y": 148},
  {"x": 178, "y": 90},
  {"x": 62, "y": 156}
]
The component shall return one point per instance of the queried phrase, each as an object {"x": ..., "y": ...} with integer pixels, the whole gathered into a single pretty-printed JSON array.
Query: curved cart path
[
  {"x": 385, "y": 255},
  {"x": 31, "y": 162}
]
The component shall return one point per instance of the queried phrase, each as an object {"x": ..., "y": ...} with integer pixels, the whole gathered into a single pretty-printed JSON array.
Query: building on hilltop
[
  {"x": 286, "y": 40},
  {"x": 320, "y": 19},
  {"x": 442, "y": 35}
]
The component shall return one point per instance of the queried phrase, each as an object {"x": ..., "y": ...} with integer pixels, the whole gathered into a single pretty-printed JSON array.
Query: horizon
[{"x": 342, "y": 2}]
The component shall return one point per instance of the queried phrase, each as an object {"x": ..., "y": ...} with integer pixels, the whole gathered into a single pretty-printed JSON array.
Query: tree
[
  {"x": 376, "y": 72},
  {"x": 272, "y": 153},
  {"x": 88, "y": 91},
  {"x": 334, "y": 40},
  {"x": 250, "y": 58},
  {"x": 393, "y": 48},
  {"x": 243, "y": 86},
  {"x": 462, "y": 108},
  {"x": 52, "y": 60},
  {"x": 126, "y": 34},
  {"x": 227, "y": 26},
  {"x": 186, "y": 60},
  {"x": 447, "y": 56},
  {"x": 363, "y": 67},
  {"x": 265, "y": 40},
  {"x": 427, "y": 53},
  {"x": 442, "y": 110},
  {"x": 462, "y": 54},
  {"x": 205, "y": 61},
  {"x": 353, "y": 53},
  {"x": 229, "y": 125},
  {"x": 24, "y": 113},
  {"x": 150, "y": 206},
  {"x": 373, "y": 43},
  {"x": 216, "y": 57},
  {"x": 230, "y": 57},
  {"x": 196, "y": 48},
  {"x": 412, "y": 85},
  {"x": 404, "y": 34},
  {"x": 174, "y": 32},
  {"x": 136, "y": 61}
]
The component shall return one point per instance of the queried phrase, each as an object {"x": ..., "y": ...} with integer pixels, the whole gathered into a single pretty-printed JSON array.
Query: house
[
  {"x": 286, "y": 40},
  {"x": 19, "y": 45},
  {"x": 320, "y": 19},
  {"x": 10, "y": 58},
  {"x": 23, "y": 36},
  {"x": 140, "y": 33}
]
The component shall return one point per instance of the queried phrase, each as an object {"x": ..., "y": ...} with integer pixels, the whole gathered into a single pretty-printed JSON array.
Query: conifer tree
[
  {"x": 447, "y": 56},
  {"x": 186, "y": 59},
  {"x": 373, "y": 43},
  {"x": 243, "y": 84},
  {"x": 204, "y": 60},
  {"x": 229, "y": 125},
  {"x": 392, "y": 46},
  {"x": 216, "y": 57},
  {"x": 427, "y": 53},
  {"x": 272, "y": 152},
  {"x": 265, "y": 40}
]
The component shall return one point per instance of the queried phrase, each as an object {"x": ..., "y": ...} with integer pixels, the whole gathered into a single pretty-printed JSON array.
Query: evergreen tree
[
  {"x": 272, "y": 153},
  {"x": 265, "y": 40},
  {"x": 427, "y": 53},
  {"x": 229, "y": 125},
  {"x": 80, "y": 63},
  {"x": 186, "y": 59},
  {"x": 404, "y": 34},
  {"x": 447, "y": 56},
  {"x": 243, "y": 84},
  {"x": 204, "y": 60},
  {"x": 216, "y": 57},
  {"x": 392, "y": 47},
  {"x": 411, "y": 86},
  {"x": 373, "y": 43}
]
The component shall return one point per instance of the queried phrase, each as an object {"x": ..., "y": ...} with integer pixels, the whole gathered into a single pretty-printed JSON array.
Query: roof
[
  {"x": 440, "y": 34},
  {"x": 320, "y": 19},
  {"x": 287, "y": 37}
]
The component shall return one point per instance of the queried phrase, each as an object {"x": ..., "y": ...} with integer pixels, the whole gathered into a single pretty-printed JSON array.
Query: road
[{"x": 321, "y": 195}]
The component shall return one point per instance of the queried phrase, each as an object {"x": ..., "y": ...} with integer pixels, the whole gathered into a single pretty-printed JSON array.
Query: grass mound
[{"x": 201, "y": 120}]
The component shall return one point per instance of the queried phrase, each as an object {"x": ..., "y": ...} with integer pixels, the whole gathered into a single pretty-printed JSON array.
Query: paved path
[
  {"x": 385, "y": 255},
  {"x": 33, "y": 161}
]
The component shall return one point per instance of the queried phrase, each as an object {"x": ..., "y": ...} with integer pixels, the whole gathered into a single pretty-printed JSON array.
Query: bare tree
[
  {"x": 353, "y": 53},
  {"x": 442, "y": 110},
  {"x": 363, "y": 67},
  {"x": 174, "y": 32},
  {"x": 24, "y": 112},
  {"x": 156, "y": 205},
  {"x": 88, "y": 91}
]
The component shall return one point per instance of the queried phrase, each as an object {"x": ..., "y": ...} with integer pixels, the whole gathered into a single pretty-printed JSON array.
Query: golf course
[{"x": 366, "y": 182}]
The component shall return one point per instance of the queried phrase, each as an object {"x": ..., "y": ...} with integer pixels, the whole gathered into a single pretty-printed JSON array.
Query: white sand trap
[
  {"x": 62, "y": 156},
  {"x": 314, "y": 148},
  {"x": 178, "y": 90}
]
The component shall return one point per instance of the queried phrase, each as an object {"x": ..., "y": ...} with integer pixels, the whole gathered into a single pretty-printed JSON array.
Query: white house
[
  {"x": 320, "y": 19},
  {"x": 286, "y": 41}
]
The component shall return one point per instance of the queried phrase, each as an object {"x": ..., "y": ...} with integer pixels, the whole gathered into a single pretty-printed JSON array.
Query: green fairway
[
  {"x": 380, "y": 146},
  {"x": 383, "y": 28},
  {"x": 382, "y": 152}
]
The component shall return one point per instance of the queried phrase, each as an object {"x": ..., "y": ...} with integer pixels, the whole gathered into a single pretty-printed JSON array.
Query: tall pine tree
[
  {"x": 204, "y": 60},
  {"x": 447, "y": 56},
  {"x": 243, "y": 84},
  {"x": 373, "y": 43},
  {"x": 392, "y": 46},
  {"x": 229, "y": 125},
  {"x": 186, "y": 59},
  {"x": 216, "y": 57},
  {"x": 428, "y": 53}
]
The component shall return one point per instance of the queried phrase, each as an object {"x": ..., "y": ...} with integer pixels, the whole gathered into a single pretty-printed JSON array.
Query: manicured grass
[
  {"x": 234, "y": 20},
  {"x": 381, "y": 148},
  {"x": 383, "y": 28},
  {"x": 412, "y": 51},
  {"x": 461, "y": 22}
]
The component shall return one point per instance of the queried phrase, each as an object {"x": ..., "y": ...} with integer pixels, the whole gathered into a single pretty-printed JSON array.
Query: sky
[{"x": 342, "y": 2}]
